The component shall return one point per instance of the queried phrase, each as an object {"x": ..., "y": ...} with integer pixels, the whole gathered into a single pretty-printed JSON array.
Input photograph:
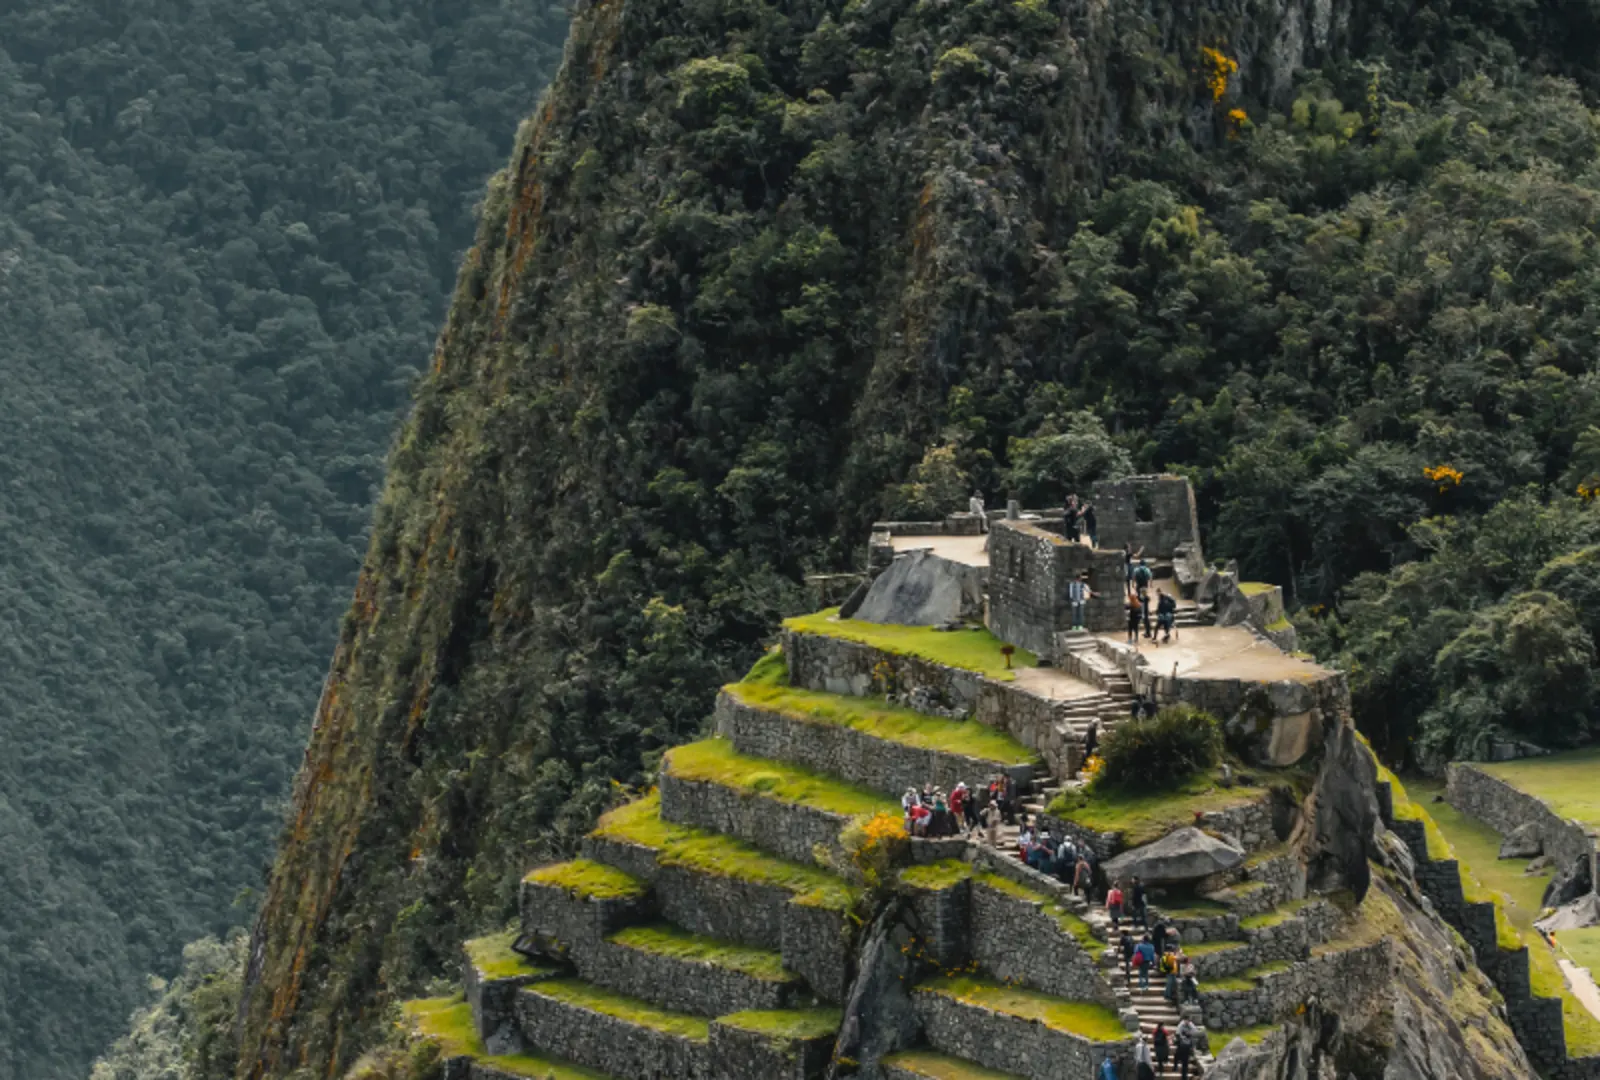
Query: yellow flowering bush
[
  {"x": 1446, "y": 476},
  {"x": 1219, "y": 68}
]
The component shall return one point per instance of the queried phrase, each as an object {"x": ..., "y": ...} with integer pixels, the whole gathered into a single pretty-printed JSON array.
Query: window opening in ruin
[{"x": 1144, "y": 507}]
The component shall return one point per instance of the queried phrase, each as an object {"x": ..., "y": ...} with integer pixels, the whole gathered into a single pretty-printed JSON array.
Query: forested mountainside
[
  {"x": 758, "y": 272},
  {"x": 227, "y": 235}
]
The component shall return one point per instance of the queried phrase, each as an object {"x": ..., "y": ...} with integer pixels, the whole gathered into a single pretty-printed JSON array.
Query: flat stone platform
[
  {"x": 1224, "y": 652},
  {"x": 962, "y": 549},
  {"x": 1053, "y": 684}
]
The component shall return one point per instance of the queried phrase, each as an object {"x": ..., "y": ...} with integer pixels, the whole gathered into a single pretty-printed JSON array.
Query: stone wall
[
  {"x": 847, "y": 753},
  {"x": 1172, "y": 521},
  {"x": 1029, "y": 570},
  {"x": 1351, "y": 980},
  {"x": 817, "y": 945},
  {"x": 738, "y": 1054},
  {"x": 1504, "y": 808},
  {"x": 836, "y": 666},
  {"x": 701, "y": 989},
  {"x": 1011, "y": 1044},
  {"x": 559, "y": 921},
  {"x": 607, "y": 1043},
  {"x": 1016, "y": 941},
  {"x": 494, "y": 1004},
  {"x": 789, "y": 830},
  {"x": 939, "y": 918}
]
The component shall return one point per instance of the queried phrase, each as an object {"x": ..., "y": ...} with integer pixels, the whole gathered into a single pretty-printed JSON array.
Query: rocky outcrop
[
  {"x": 923, "y": 589},
  {"x": 1340, "y": 823},
  {"x": 1523, "y": 842},
  {"x": 1185, "y": 855}
]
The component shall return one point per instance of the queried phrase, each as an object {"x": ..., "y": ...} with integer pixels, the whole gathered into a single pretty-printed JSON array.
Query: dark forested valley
[{"x": 227, "y": 234}]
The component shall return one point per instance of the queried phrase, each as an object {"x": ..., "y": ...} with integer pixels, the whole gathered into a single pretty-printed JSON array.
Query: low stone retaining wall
[
  {"x": 1505, "y": 808},
  {"x": 635, "y": 860},
  {"x": 559, "y": 921},
  {"x": 1536, "y": 1021},
  {"x": 789, "y": 830},
  {"x": 1016, "y": 941},
  {"x": 737, "y": 1054},
  {"x": 494, "y": 1004},
  {"x": 1351, "y": 979},
  {"x": 940, "y": 919},
  {"x": 702, "y": 989},
  {"x": 1011, "y": 1044},
  {"x": 836, "y": 666},
  {"x": 606, "y": 1043},
  {"x": 817, "y": 945},
  {"x": 845, "y": 752}
]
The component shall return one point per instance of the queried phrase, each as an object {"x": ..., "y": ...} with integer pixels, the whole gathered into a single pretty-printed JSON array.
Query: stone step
[
  {"x": 675, "y": 969},
  {"x": 929, "y": 1065},
  {"x": 447, "y": 1022},
  {"x": 867, "y": 742},
  {"x": 1012, "y": 1030},
  {"x": 780, "y": 808},
  {"x": 718, "y": 886}
]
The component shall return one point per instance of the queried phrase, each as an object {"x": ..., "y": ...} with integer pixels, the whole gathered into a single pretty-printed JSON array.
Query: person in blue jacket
[
  {"x": 1144, "y": 958},
  {"x": 1108, "y": 1070}
]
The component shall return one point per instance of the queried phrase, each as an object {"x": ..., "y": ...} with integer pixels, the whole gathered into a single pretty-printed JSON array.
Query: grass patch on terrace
[
  {"x": 1143, "y": 816},
  {"x": 639, "y": 822},
  {"x": 494, "y": 957},
  {"x": 1246, "y": 980},
  {"x": 664, "y": 939},
  {"x": 1087, "y": 1019},
  {"x": 1277, "y": 916},
  {"x": 1067, "y": 920},
  {"x": 715, "y": 761},
  {"x": 582, "y": 995},
  {"x": 592, "y": 880},
  {"x": 1583, "y": 946},
  {"x": 939, "y": 1067},
  {"x": 1485, "y": 877},
  {"x": 1565, "y": 782},
  {"x": 1211, "y": 948},
  {"x": 448, "y": 1023},
  {"x": 1220, "y": 1037},
  {"x": 936, "y": 876},
  {"x": 785, "y": 1024},
  {"x": 888, "y": 722},
  {"x": 973, "y": 649},
  {"x": 1255, "y": 588}
]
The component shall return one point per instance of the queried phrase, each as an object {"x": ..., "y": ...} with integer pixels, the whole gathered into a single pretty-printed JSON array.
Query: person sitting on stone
[{"x": 975, "y": 508}]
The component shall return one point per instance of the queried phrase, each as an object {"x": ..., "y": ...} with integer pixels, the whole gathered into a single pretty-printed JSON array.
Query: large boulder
[
  {"x": 1522, "y": 843},
  {"x": 1185, "y": 855},
  {"x": 923, "y": 589}
]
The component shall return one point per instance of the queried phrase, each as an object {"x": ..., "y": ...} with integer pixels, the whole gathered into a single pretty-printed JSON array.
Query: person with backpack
[
  {"x": 1126, "y": 947},
  {"x": 1078, "y": 595},
  {"x": 1183, "y": 1046},
  {"x": 1162, "y": 1045},
  {"x": 1169, "y": 969},
  {"x": 1135, "y": 612},
  {"x": 1144, "y": 958},
  {"x": 1114, "y": 905},
  {"x": 1166, "y": 616},
  {"x": 1142, "y": 1067}
]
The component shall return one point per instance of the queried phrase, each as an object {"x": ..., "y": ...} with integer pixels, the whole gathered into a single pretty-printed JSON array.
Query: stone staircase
[{"x": 697, "y": 936}]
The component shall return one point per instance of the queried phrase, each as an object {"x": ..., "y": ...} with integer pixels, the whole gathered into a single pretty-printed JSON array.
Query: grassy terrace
[
  {"x": 938, "y": 1067},
  {"x": 1085, "y": 1019},
  {"x": 448, "y": 1022},
  {"x": 715, "y": 761},
  {"x": 934, "y": 877},
  {"x": 1064, "y": 918},
  {"x": 882, "y": 721},
  {"x": 1275, "y": 917},
  {"x": 494, "y": 957},
  {"x": 1143, "y": 817},
  {"x": 582, "y": 995},
  {"x": 640, "y": 823},
  {"x": 785, "y": 1024},
  {"x": 592, "y": 880},
  {"x": 1220, "y": 1037},
  {"x": 664, "y": 939},
  {"x": 972, "y": 649},
  {"x": 1565, "y": 782},
  {"x": 1486, "y": 878},
  {"x": 1246, "y": 980}
]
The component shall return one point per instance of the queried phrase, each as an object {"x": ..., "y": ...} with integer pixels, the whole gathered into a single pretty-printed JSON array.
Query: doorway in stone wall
[{"x": 1144, "y": 506}]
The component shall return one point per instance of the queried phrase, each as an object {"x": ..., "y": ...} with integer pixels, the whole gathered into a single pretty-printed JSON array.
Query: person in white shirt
[{"x": 975, "y": 507}]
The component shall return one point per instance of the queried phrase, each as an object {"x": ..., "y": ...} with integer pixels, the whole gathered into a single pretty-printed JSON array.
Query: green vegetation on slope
[
  {"x": 494, "y": 957},
  {"x": 888, "y": 722},
  {"x": 589, "y": 879},
  {"x": 1143, "y": 816},
  {"x": 1085, "y": 1018},
  {"x": 582, "y": 995},
  {"x": 781, "y": 1024},
  {"x": 715, "y": 761},
  {"x": 750, "y": 273},
  {"x": 448, "y": 1022},
  {"x": 940, "y": 1067},
  {"x": 972, "y": 648},
  {"x": 228, "y": 233},
  {"x": 639, "y": 822},
  {"x": 664, "y": 939},
  {"x": 1568, "y": 783}
]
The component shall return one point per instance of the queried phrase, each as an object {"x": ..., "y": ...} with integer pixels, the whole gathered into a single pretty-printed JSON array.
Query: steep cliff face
[{"x": 720, "y": 298}]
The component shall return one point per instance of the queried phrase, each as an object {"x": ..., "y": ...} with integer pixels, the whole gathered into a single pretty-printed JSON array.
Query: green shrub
[{"x": 1161, "y": 751}]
